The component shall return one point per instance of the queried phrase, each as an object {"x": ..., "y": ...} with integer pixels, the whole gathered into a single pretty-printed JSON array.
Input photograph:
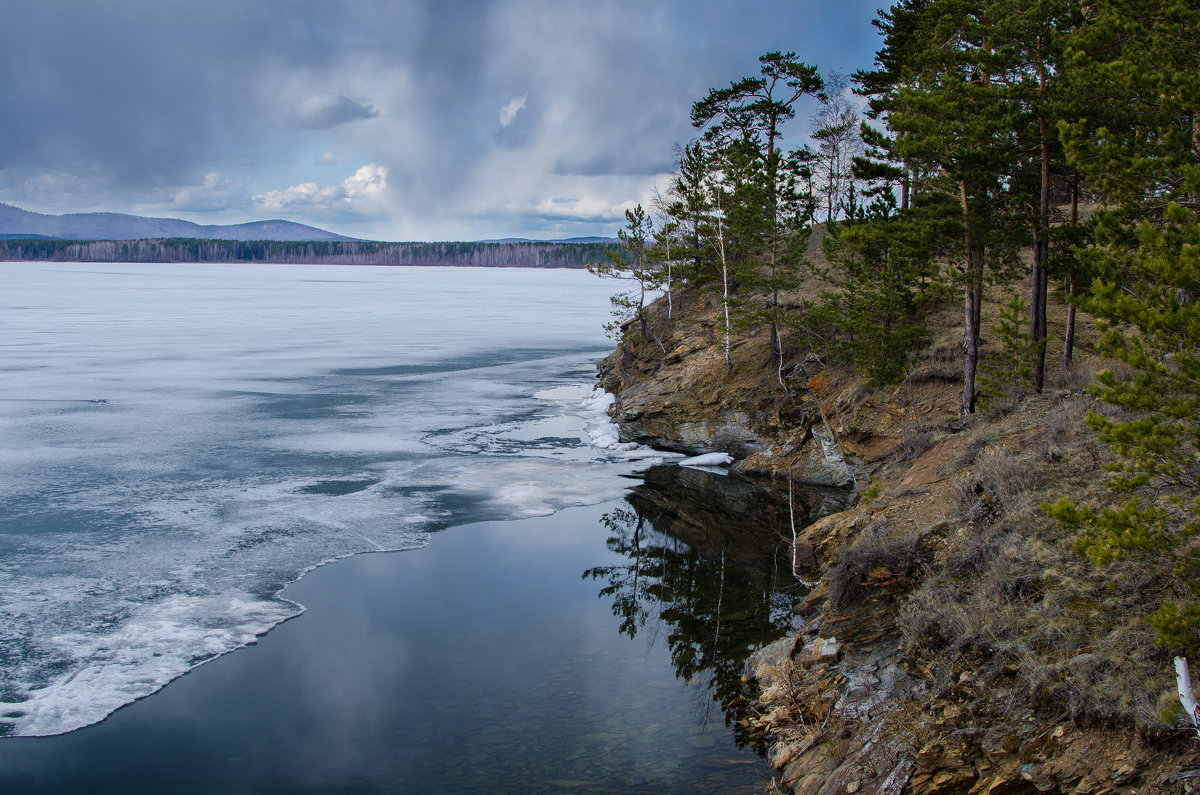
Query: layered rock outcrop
[{"x": 676, "y": 392}]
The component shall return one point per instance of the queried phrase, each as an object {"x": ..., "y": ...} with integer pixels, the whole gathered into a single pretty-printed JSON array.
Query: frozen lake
[{"x": 179, "y": 442}]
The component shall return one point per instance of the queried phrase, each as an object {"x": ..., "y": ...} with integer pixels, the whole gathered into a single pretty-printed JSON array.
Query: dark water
[{"x": 596, "y": 650}]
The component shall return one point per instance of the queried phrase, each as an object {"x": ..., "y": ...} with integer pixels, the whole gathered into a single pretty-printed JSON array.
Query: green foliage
[
  {"x": 1177, "y": 626},
  {"x": 883, "y": 269},
  {"x": 1006, "y": 376},
  {"x": 1137, "y": 61},
  {"x": 1146, "y": 295},
  {"x": 945, "y": 86},
  {"x": 1172, "y": 713},
  {"x": 871, "y": 491},
  {"x": 1134, "y": 68},
  {"x": 689, "y": 207},
  {"x": 633, "y": 263},
  {"x": 764, "y": 195}
]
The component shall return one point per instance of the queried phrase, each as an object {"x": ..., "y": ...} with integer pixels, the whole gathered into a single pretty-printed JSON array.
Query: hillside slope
[{"x": 952, "y": 640}]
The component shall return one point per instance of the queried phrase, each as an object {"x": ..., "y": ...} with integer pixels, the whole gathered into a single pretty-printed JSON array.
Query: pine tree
[
  {"x": 743, "y": 124},
  {"x": 689, "y": 207},
  {"x": 1032, "y": 38},
  {"x": 1009, "y": 374},
  {"x": 951, "y": 132},
  {"x": 1137, "y": 65},
  {"x": 1152, "y": 324},
  {"x": 882, "y": 265},
  {"x": 633, "y": 264},
  {"x": 1144, "y": 155}
]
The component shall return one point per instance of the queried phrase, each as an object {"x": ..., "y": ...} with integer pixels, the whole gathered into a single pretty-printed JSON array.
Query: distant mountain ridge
[{"x": 15, "y": 222}]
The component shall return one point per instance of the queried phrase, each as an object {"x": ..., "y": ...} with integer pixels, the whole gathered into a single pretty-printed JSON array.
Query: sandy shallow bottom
[{"x": 491, "y": 660}]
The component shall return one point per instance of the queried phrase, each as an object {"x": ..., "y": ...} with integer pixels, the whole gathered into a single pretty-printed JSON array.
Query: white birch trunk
[
  {"x": 670, "y": 308},
  {"x": 792, "y": 519},
  {"x": 1183, "y": 681},
  {"x": 724, "y": 281}
]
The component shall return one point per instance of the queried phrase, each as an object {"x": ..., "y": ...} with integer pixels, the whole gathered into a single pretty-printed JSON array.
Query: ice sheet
[{"x": 181, "y": 441}]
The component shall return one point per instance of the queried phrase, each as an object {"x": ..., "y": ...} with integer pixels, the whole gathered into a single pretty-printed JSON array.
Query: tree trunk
[
  {"x": 1072, "y": 281},
  {"x": 973, "y": 295},
  {"x": 971, "y": 309},
  {"x": 1183, "y": 682},
  {"x": 1041, "y": 259},
  {"x": 725, "y": 286},
  {"x": 775, "y": 348}
]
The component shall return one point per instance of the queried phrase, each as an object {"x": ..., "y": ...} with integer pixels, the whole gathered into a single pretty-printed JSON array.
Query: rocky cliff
[{"x": 953, "y": 642}]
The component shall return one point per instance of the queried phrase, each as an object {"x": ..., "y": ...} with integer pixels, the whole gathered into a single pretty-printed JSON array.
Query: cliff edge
[{"x": 953, "y": 642}]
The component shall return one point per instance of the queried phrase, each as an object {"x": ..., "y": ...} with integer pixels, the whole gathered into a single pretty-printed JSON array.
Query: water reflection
[{"x": 707, "y": 566}]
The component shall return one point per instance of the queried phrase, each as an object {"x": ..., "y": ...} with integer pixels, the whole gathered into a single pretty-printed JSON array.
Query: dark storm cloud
[
  {"x": 472, "y": 108},
  {"x": 325, "y": 113},
  {"x": 149, "y": 90},
  {"x": 599, "y": 164},
  {"x": 119, "y": 86}
]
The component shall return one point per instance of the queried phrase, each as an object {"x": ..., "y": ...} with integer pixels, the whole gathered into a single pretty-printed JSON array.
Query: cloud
[
  {"x": 215, "y": 192},
  {"x": 327, "y": 112},
  {"x": 598, "y": 93},
  {"x": 45, "y": 192},
  {"x": 357, "y": 194},
  {"x": 602, "y": 163},
  {"x": 509, "y": 111}
]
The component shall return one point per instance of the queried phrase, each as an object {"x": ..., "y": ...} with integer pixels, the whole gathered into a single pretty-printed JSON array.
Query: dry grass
[
  {"x": 900, "y": 556},
  {"x": 1006, "y": 597}
]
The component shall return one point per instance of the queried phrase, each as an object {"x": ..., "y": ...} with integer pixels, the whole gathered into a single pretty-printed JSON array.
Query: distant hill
[{"x": 15, "y": 222}]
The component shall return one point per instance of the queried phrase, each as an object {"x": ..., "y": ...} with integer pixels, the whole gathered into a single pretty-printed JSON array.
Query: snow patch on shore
[
  {"x": 604, "y": 434},
  {"x": 708, "y": 460}
]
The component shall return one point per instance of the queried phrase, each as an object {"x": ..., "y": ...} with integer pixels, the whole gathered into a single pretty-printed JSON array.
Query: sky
[{"x": 382, "y": 119}]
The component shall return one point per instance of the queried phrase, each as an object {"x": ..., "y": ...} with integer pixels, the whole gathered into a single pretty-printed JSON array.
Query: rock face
[{"x": 676, "y": 392}]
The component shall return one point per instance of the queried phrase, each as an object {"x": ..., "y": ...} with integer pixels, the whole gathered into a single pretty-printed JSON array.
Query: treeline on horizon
[
  {"x": 445, "y": 254},
  {"x": 988, "y": 126}
]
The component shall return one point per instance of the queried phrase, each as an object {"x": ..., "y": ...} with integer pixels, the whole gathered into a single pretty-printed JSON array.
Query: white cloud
[
  {"x": 368, "y": 180},
  {"x": 329, "y": 159},
  {"x": 509, "y": 111},
  {"x": 357, "y": 193}
]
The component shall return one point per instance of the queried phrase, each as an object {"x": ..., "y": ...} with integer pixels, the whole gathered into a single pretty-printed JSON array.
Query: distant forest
[{"x": 497, "y": 255}]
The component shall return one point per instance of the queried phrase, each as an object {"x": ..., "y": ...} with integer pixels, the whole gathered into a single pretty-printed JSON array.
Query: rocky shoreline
[{"x": 890, "y": 686}]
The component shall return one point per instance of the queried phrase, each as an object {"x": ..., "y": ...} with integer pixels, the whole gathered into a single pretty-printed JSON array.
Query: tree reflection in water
[{"x": 707, "y": 564}]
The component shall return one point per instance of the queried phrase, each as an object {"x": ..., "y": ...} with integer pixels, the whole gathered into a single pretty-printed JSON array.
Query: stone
[
  {"x": 805, "y": 557},
  {"x": 823, "y": 651},
  {"x": 770, "y": 656}
]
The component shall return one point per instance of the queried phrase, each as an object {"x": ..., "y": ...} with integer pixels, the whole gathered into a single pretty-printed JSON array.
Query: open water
[{"x": 181, "y": 442}]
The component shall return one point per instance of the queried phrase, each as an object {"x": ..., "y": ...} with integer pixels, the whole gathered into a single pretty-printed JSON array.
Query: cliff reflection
[{"x": 707, "y": 565}]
